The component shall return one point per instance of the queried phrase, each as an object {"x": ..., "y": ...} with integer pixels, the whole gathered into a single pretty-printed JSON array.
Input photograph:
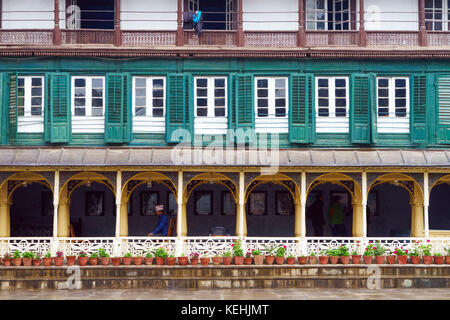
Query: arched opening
[{"x": 439, "y": 211}]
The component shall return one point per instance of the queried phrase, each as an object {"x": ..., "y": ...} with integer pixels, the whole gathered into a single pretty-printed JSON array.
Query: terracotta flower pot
[
  {"x": 356, "y": 259},
  {"x": 36, "y": 262},
  {"x": 148, "y": 261},
  {"x": 216, "y": 260},
  {"x": 93, "y": 261},
  {"x": 279, "y": 260},
  {"x": 171, "y": 261},
  {"x": 58, "y": 261},
  {"x": 137, "y": 260},
  {"x": 71, "y": 260},
  {"x": 368, "y": 259},
  {"x": 82, "y": 261},
  {"x": 47, "y": 262},
  {"x": 438, "y": 260},
  {"x": 238, "y": 260},
  {"x": 17, "y": 262},
  {"x": 204, "y": 261},
  {"x": 127, "y": 260},
  {"x": 380, "y": 259},
  {"x": 302, "y": 260},
  {"x": 7, "y": 262},
  {"x": 27, "y": 262},
  {"x": 248, "y": 261},
  {"x": 194, "y": 261},
  {"x": 182, "y": 261},
  {"x": 391, "y": 259},
  {"x": 116, "y": 261},
  {"x": 447, "y": 259},
  {"x": 324, "y": 259},
  {"x": 428, "y": 259},
  {"x": 259, "y": 259},
  {"x": 159, "y": 261},
  {"x": 227, "y": 260},
  {"x": 402, "y": 259},
  {"x": 334, "y": 259},
  {"x": 345, "y": 259},
  {"x": 312, "y": 260},
  {"x": 290, "y": 261},
  {"x": 415, "y": 260},
  {"x": 270, "y": 259},
  {"x": 104, "y": 261}
]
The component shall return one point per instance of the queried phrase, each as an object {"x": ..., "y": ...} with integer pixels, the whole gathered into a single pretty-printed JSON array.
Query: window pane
[
  {"x": 280, "y": 93},
  {"x": 158, "y": 112},
  {"x": 280, "y": 83},
  {"x": 36, "y": 92},
  {"x": 80, "y": 92},
  {"x": 36, "y": 111},
  {"x": 21, "y": 82},
  {"x": 262, "y": 83},
  {"x": 383, "y": 93},
  {"x": 202, "y": 102},
  {"x": 36, "y": 82},
  {"x": 20, "y": 112},
  {"x": 36, "y": 101},
  {"x": 97, "y": 92},
  {"x": 158, "y": 102},
  {"x": 97, "y": 102},
  {"x": 280, "y": 102},
  {"x": 20, "y": 102},
  {"x": 140, "y": 82},
  {"x": 323, "y": 112},
  {"x": 263, "y": 93},
  {"x": 341, "y": 102},
  {"x": 263, "y": 112},
  {"x": 400, "y": 82},
  {"x": 323, "y": 102},
  {"x": 97, "y": 83},
  {"x": 140, "y": 102},
  {"x": 219, "y": 112},
  {"x": 400, "y": 113},
  {"x": 158, "y": 93},
  {"x": 80, "y": 102},
  {"x": 219, "y": 82},
  {"x": 383, "y": 112},
  {"x": 323, "y": 82},
  {"x": 341, "y": 112},
  {"x": 263, "y": 103},
  {"x": 140, "y": 112},
  {"x": 400, "y": 103},
  {"x": 280, "y": 112},
  {"x": 219, "y": 102},
  {"x": 383, "y": 82},
  {"x": 202, "y": 112},
  {"x": 340, "y": 93},
  {"x": 323, "y": 93},
  {"x": 80, "y": 112},
  {"x": 97, "y": 112},
  {"x": 340, "y": 83},
  {"x": 141, "y": 92},
  {"x": 21, "y": 92},
  {"x": 400, "y": 92},
  {"x": 219, "y": 92},
  {"x": 158, "y": 84},
  {"x": 202, "y": 82},
  {"x": 383, "y": 102},
  {"x": 202, "y": 92},
  {"x": 80, "y": 82}
]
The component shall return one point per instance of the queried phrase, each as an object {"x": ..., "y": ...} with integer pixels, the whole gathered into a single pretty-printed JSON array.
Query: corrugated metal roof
[{"x": 136, "y": 156}]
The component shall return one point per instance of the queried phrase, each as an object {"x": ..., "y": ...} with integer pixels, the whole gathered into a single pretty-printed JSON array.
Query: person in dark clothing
[
  {"x": 163, "y": 222},
  {"x": 315, "y": 213}
]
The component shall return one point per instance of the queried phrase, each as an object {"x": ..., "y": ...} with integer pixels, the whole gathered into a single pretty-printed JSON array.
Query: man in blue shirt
[{"x": 163, "y": 222}]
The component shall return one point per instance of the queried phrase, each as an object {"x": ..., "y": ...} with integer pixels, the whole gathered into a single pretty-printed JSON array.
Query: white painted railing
[{"x": 211, "y": 246}]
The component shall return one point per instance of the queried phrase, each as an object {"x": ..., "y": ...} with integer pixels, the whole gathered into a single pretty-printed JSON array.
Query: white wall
[
  {"x": 31, "y": 6},
  {"x": 268, "y": 16},
  {"x": 128, "y": 19},
  {"x": 391, "y": 15}
]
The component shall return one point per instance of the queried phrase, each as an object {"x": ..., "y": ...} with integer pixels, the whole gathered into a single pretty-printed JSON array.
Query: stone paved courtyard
[{"x": 228, "y": 294}]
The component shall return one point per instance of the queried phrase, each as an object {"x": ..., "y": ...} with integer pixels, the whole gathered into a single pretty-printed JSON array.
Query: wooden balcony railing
[
  {"x": 87, "y": 36},
  {"x": 21, "y": 37}
]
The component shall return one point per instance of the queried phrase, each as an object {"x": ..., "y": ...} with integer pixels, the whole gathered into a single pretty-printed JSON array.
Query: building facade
[{"x": 110, "y": 107}]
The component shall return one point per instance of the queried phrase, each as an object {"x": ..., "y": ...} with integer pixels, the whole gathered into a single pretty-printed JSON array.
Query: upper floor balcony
[{"x": 229, "y": 24}]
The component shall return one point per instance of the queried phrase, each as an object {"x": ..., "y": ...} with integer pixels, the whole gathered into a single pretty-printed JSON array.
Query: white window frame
[
  {"x": 332, "y": 123},
  {"x": 312, "y": 16},
  {"x": 444, "y": 21},
  {"x": 28, "y": 122},
  {"x": 88, "y": 123},
  {"x": 149, "y": 123},
  {"x": 393, "y": 123}
]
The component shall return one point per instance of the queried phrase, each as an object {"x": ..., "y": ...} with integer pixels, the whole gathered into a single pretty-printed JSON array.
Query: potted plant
[
  {"x": 248, "y": 258},
  {"x": 258, "y": 257},
  {"x": 344, "y": 254},
  {"x": 160, "y": 256},
  {"x": 104, "y": 257},
  {"x": 426, "y": 252},
  {"x": 148, "y": 259},
  {"x": 7, "y": 259},
  {"x": 127, "y": 259},
  {"x": 182, "y": 260},
  {"x": 17, "y": 260},
  {"x": 27, "y": 258},
  {"x": 279, "y": 256},
  {"x": 368, "y": 254},
  {"x": 116, "y": 261},
  {"x": 37, "y": 260},
  {"x": 447, "y": 257},
  {"x": 290, "y": 259},
  {"x": 391, "y": 258},
  {"x": 378, "y": 252},
  {"x": 47, "y": 260},
  {"x": 238, "y": 253},
  {"x": 204, "y": 259},
  {"x": 302, "y": 259},
  {"x": 356, "y": 258},
  {"x": 227, "y": 258},
  {"x": 137, "y": 260},
  {"x": 438, "y": 258},
  {"x": 59, "y": 259},
  {"x": 193, "y": 258},
  {"x": 270, "y": 257},
  {"x": 71, "y": 260},
  {"x": 216, "y": 260},
  {"x": 93, "y": 259},
  {"x": 402, "y": 255},
  {"x": 171, "y": 259},
  {"x": 415, "y": 257},
  {"x": 312, "y": 258},
  {"x": 333, "y": 254},
  {"x": 82, "y": 259},
  {"x": 323, "y": 258}
]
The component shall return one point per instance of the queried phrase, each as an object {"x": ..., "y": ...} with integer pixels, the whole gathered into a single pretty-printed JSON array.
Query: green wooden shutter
[
  {"x": 360, "y": 109},
  {"x": 443, "y": 128},
  {"x": 373, "y": 107},
  {"x": 300, "y": 122},
  {"x": 244, "y": 107},
  {"x": 418, "y": 108},
  {"x": 13, "y": 113},
  {"x": 1, "y": 107},
  {"x": 117, "y": 111},
  {"x": 59, "y": 113},
  {"x": 178, "y": 113}
]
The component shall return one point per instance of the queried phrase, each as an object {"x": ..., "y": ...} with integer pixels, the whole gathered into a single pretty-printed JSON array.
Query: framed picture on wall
[
  {"x": 46, "y": 203},
  {"x": 203, "y": 203},
  {"x": 171, "y": 204},
  {"x": 344, "y": 200},
  {"x": 149, "y": 199},
  {"x": 130, "y": 206},
  {"x": 95, "y": 203},
  {"x": 372, "y": 204},
  {"x": 228, "y": 204},
  {"x": 285, "y": 204},
  {"x": 257, "y": 203}
]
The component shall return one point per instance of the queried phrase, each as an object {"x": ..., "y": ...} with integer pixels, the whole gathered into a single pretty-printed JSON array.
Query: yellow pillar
[
  {"x": 123, "y": 219},
  {"x": 4, "y": 213},
  {"x": 183, "y": 219},
  {"x": 417, "y": 220},
  {"x": 357, "y": 224},
  {"x": 298, "y": 214},
  {"x": 241, "y": 223},
  {"x": 64, "y": 215}
]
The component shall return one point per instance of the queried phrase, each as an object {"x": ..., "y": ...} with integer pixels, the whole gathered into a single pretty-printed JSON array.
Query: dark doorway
[
  {"x": 93, "y": 14},
  {"x": 217, "y": 14}
]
